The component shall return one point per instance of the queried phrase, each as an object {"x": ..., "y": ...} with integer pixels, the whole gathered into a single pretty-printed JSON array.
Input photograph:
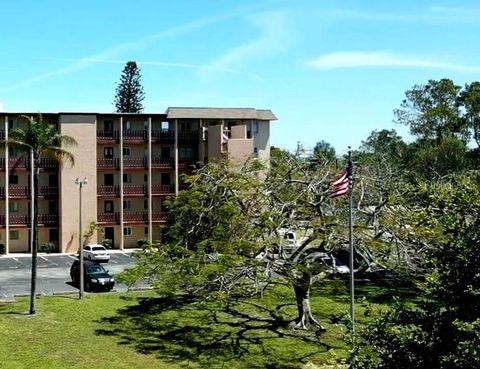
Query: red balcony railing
[
  {"x": 131, "y": 135},
  {"x": 162, "y": 163},
  {"x": 129, "y": 189},
  {"x": 108, "y": 163},
  {"x": 15, "y": 191},
  {"x": 107, "y": 135},
  {"x": 159, "y": 216},
  {"x": 108, "y": 218},
  {"x": 138, "y": 162},
  {"x": 163, "y": 135},
  {"x": 158, "y": 189},
  {"x": 135, "y": 217},
  {"x": 24, "y": 220},
  {"x": 108, "y": 190}
]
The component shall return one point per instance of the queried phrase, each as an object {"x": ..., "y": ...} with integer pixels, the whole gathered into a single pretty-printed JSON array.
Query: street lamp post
[{"x": 80, "y": 183}]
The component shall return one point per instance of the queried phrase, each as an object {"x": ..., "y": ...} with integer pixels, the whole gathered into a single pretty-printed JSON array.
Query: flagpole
[{"x": 350, "y": 222}]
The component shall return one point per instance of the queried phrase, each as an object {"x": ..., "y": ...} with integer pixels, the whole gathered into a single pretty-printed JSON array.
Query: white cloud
[
  {"x": 121, "y": 49},
  {"x": 382, "y": 59},
  {"x": 272, "y": 39}
]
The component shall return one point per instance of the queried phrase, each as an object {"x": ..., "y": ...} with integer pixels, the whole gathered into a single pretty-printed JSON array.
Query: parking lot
[{"x": 53, "y": 273}]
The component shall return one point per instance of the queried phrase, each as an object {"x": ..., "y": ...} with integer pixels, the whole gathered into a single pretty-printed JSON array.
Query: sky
[{"x": 329, "y": 70}]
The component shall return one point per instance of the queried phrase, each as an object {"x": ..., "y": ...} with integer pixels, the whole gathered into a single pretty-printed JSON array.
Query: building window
[
  {"x": 14, "y": 235},
  {"x": 108, "y": 206},
  {"x": 127, "y": 204},
  {"x": 165, "y": 178},
  {"x": 52, "y": 207},
  {"x": 145, "y": 232},
  {"x": 145, "y": 125},
  {"x": 145, "y": 204},
  {"x": 13, "y": 207},
  {"x": 108, "y": 152},
  {"x": 184, "y": 126},
  {"x": 126, "y": 125},
  {"x": 108, "y": 179},
  {"x": 13, "y": 179},
  {"x": 127, "y": 151},
  {"x": 165, "y": 152},
  {"x": 127, "y": 231},
  {"x": 186, "y": 153},
  {"x": 255, "y": 128},
  {"x": 108, "y": 126},
  {"x": 165, "y": 126},
  {"x": 127, "y": 178},
  {"x": 145, "y": 178}
]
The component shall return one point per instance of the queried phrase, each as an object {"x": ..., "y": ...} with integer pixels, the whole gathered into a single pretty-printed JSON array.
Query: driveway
[{"x": 53, "y": 273}]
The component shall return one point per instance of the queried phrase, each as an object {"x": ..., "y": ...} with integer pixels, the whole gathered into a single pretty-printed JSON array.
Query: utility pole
[{"x": 80, "y": 184}]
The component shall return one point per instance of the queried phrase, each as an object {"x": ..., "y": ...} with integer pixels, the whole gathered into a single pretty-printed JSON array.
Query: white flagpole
[{"x": 350, "y": 221}]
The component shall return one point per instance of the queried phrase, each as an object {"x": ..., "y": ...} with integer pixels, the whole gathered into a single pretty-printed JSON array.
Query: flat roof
[{"x": 219, "y": 113}]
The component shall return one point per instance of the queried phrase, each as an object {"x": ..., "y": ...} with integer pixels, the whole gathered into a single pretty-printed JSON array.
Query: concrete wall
[
  {"x": 83, "y": 128},
  {"x": 261, "y": 141},
  {"x": 215, "y": 142}
]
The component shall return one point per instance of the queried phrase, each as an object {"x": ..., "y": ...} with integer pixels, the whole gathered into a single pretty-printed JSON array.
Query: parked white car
[{"x": 96, "y": 252}]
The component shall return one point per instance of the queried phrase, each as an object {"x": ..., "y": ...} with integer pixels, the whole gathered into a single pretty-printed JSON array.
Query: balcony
[
  {"x": 107, "y": 136},
  {"x": 135, "y": 136},
  {"x": 21, "y": 192},
  {"x": 135, "y": 163},
  {"x": 47, "y": 220},
  {"x": 162, "y": 163},
  {"x": 108, "y": 218},
  {"x": 130, "y": 189},
  {"x": 108, "y": 163},
  {"x": 167, "y": 135},
  {"x": 130, "y": 217},
  {"x": 108, "y": 191},
  {"x": 24, "y": 163},
  {"x": 158, "y": 189}
]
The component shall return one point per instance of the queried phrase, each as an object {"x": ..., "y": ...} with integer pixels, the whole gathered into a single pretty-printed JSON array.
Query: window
[
  {"x": 145, "y": 232},
  {"x": 14, "y": 235},
  {"x": 126, "y": 125},
  {"x": 184, "y": 126},
  {"x": 186, "y": 153},
  {"x": 108, "y": 206},
  {"x": 165, "y": 178},
  {"x": 127, "y": 231},
  {"x": 108, "y": 125},
  {"x": 145, "y": 125},
  {"x": 53, "y": 235},
  {"x": 165, "y": 126},
  {"x": 127, "y": 178},
  {"x": 255, "y": 127},
  {"x": 10, "y": 123},
  {"x": 145, "y": 178},
  {"x": 108, "y": 179},
  {"x": 13, "y": 179},
  {"x": 145, "y": 204},
  {"x": 127, "y": 204},
  {"x": 52, "y": 207},
  {"x": 13, "y": 207},
  {"x": 165, "y": 152},
  {"x": 108, "y": 152},
  {"x": 127, "y": 151},
  {"x": 53, "y": 180}
]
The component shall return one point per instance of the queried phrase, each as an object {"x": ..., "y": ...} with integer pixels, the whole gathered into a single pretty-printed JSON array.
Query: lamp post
[{"x": 80, "y": 183}]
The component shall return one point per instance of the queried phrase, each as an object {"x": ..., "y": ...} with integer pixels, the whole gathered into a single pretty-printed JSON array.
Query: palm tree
[{"x": 40, "y": 140}]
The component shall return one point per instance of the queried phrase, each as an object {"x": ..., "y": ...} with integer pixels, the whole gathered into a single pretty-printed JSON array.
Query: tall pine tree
[{"x": 130, "y": 94}]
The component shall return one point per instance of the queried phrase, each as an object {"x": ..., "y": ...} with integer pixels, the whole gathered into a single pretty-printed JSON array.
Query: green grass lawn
[{"x": 144, "y": 330}]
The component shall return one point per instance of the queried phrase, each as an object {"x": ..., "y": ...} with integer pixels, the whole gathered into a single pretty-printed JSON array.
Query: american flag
[{"x": 343, "y": 184}]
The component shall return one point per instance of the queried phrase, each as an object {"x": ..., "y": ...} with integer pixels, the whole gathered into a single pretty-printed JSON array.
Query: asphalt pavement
[{"x": 53, "y": 273}]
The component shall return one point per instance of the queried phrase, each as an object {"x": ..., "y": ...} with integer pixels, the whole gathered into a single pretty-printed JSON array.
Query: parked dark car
[{"x": 96, "y": 277}]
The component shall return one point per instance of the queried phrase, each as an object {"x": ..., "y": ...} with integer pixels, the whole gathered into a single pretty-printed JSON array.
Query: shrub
[
  {"x": 48, "y": 247},
  {"x": 2, "y": 249},
  {"x": 142, "y": 242},
  {"x": 107, "y": 243}
]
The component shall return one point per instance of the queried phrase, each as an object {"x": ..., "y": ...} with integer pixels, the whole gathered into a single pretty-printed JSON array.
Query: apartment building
[{"x": 132, "y": 163}]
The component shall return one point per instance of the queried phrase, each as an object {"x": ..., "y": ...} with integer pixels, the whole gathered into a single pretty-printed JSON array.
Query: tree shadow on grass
[{"x": 241, "y": 335}]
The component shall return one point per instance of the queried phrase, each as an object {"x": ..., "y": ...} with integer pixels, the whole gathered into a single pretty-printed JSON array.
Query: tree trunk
[
  {"x": 34, "y": 225},
  {"x": 305, "y": 317}
]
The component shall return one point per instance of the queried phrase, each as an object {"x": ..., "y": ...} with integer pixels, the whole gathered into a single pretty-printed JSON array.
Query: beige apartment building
[{"x": 132, "y": 163}]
